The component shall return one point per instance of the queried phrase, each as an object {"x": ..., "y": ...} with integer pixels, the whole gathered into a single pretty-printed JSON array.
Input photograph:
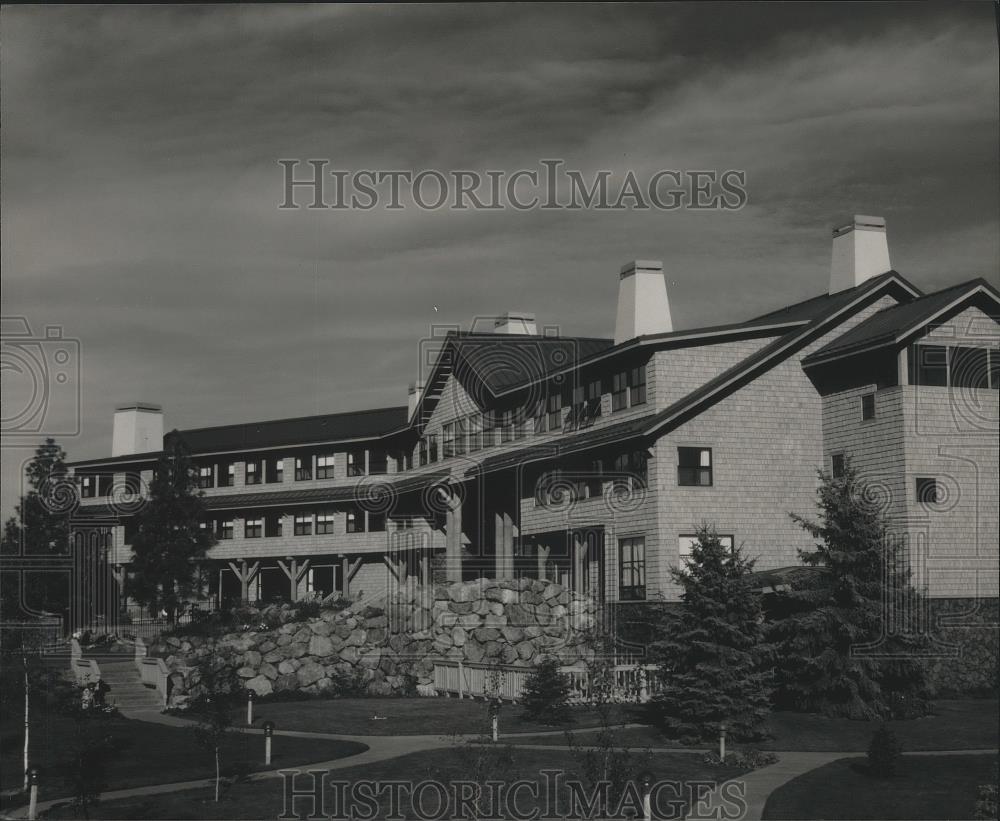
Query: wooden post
[
  {"x": 349, "y": 570},
  {"x": 453, "y": 543},
  {"x": 542, "y": 554},
  {"x": 295, "y": 573}
]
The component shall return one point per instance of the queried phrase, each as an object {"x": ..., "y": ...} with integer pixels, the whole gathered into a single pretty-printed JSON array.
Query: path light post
[
  {"x": 268, "y": 732},
  {"x": 495, "y": 704},
  {"x": 722, "y": 742},
  {"x": 646, "y": 780},
  {"x": 33, "y": 800},
  {"x": 250, "y": 695}
]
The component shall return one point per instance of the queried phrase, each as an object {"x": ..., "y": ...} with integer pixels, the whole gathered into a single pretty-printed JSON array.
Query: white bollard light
[
  {"x": 268, "y": 732},
  {"x": 33, "y": 800},
  {"x": 250, "y": 695}
]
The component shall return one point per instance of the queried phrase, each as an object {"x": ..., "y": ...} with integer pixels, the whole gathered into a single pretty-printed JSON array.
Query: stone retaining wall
[
  {"x": 967, "y": 627},
  {"x": 391, "y": 650}
]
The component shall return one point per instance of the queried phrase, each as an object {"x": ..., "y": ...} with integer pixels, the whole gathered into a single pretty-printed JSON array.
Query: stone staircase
[{"x": 127, "y": 692}]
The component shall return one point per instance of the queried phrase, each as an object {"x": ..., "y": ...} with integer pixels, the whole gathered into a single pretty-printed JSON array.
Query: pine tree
[
  {"x": 712, "y": 660},
  {"x": 546, "y": 693},
  {"x": 822, "y": 663},
  {"x": 169, "y": 537}
]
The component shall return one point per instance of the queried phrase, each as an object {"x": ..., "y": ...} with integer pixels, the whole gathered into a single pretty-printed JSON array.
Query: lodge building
[{"x": 591, "y": 461}]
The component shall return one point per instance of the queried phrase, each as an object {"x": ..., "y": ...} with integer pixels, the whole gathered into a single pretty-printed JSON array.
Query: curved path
[{"x": 757, "y": 785}]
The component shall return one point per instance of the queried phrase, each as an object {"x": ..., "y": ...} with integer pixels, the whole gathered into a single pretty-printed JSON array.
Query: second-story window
[
  {"x": 251, "y": 472},
  {"x": 324, "y": 522},
  {"x": 355, "y": 521},
  {"x": 475, "y": 425},
  {"x": 378, "y": 462},
  {"x": 423, "y": 452},
  {"x": 324, "y": 466},
  {"x": 225, "y": 530},
  {"x": 694, "y": 467},
  {"x": 619, "y": 391},
  {"x": 253, "y": 529},
  {"x": 356, "y": 462},
  {"x": 303, "y": 468},
  {"x": 274, "y": 470},
  {"x": 461, "y": 443},
  {"x": 88, "y": 487},
  {"x": 538, "y": 414},
  {"x": 432, "y": 447},
  {"x": 227, "y": 474},
  {"x": 206, "y": 476},
  {"x": 274, "y": 524},
  {"x": 868, "y": 406},
  {"x": 507, "y": 426},
  {"x": 555, "y": 412},
  {"x": 837, "y": 465},
  {"x": 448, "y": 440},
  {"x": 631, "y": 468},
  {"x": 637, "y": 386},
  {"x": 303, "y": 524}
]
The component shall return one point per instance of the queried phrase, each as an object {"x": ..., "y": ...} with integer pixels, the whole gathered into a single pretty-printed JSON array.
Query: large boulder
[
  {"x": 261, "y": 685},
  {"x": 309, "y": 673},
  {"x": 320, "y": 646}
]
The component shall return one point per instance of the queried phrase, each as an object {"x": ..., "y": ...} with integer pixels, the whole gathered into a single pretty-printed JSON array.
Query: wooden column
[
  {"x": 453, "y": 540},
  {"x": 349, "y": 570},
  {"x": 542, "y": 554},
  {"x": 246, "y": 574},
  {"x": 295, "y": 573}
]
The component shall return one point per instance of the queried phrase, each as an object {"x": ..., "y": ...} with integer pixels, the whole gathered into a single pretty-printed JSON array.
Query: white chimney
[
  {"x": 416, "y": 390},
  {"x": 860, "y": 252},
  {"x": 643, "y": 307},
  {"x": 138, "y": 428},
  {"x": 517, "y": 323}
]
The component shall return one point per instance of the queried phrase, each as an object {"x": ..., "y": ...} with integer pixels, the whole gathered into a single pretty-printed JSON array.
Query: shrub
[
  {"x": 746, "y": 760},
  {"x": 986, "y": 802},
  {"x": 546, "y": 694},
  {"x": 884, "y": 752}
]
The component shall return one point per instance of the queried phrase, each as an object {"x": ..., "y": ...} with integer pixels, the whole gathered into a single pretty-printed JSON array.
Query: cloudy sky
[{"x": 141, "y": 184}]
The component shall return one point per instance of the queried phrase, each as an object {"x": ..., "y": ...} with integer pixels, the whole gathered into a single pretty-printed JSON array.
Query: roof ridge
[{"x": 296, "y": 418}]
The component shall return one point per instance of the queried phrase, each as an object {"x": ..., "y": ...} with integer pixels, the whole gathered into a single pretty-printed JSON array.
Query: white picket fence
[{"x": 627, "y": 683}]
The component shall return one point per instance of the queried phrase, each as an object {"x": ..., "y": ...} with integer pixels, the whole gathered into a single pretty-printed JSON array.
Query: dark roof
[
  {"x": 138, "y": 458},
  {"x": 762, "y": 360},
  {"x": 818, "y": 306},
  {"x": 891, "y": 324},
  {"x": 330, "y": 427}
]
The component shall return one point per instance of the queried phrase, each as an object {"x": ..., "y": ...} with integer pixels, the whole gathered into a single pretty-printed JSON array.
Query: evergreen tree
[
  {"x": 40, "y": 529},
  {"x": 169, "y": 537},
  {"x": 712, "y": 660},
  {"x": 832, "y": 654},
  {"x": 546, "y": 694}
]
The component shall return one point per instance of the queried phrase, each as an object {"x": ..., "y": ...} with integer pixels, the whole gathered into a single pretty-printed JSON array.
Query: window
[
  {"x": 324, "y": 466},
  {"x": 460, "y": 439},
  {"x": 928, "y": 365},
  {"x": 225, "y": 529},
  {"x": 694, "y": 467},
  {"x": 637, "y": 386},
  {"x": 969, "y": 368},
  {"x": 324, "y": 522},
  {"x": 303, "y": 524},
  {"x": 432, "y": 448},
  {"x": 376, "y": 522},
  {"x": 206, "y": 477},
  {"x": 303, "y": 468},
  {"x": 868, "y": 406},
  {"x": 632, "y": 569},
  {"x": 404, "y": 460},
  {"x": 227, "y": 474},
  {"x": 633, "y": 466},
  {"x": 475, "y": 427},
  {"x": 619, "y": 391},
  {"x": 105, "y": 481},
  {"x": 688, "y": 541},
  {"x": 927, "y": 490},
  {"x": 88, "y": 487},
  {"x": 251, "y": 472},
  {"x": 586, "y": 405},
  {"x": 555, "y": 414},
  {"x": 538, "y": 414},
  {"x": 378, "y": 462},
  {"x": 506, "y": 426},
  {"x": 489, "y": 428},
  {"x": 273, "y": 524},
  {"x": 253, "y": 528},
  {"x": 521, "y": 423},
  {"x": 423, "y": 452},
  {"x": 356, "y": 462},
  {"x": 995, "y": 369},
  {"x": 355, "y": 521},
  {"x": 275, "y": 471},
  {"x": 448, "y": 446},
  {"x": 837, "y": 465}
]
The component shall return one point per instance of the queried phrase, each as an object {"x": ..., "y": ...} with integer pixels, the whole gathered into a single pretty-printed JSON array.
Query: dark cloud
[{"x": 141, "y": 184}]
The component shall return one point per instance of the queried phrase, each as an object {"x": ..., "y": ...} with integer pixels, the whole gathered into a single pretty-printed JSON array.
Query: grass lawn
[
  {"x": 147, "y": 753},
  {"x": 264, "y": 799},
  {"x": 412, "y": 716},
  {"x": 967, "y": 724},
  {"x": 936, "y": 787}
]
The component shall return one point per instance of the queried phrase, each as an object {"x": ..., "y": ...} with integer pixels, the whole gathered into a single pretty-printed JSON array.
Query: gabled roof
[
  {"x": 330, "y": 427},
  {"x": 893, "y": 325},
  {"x": 826, "y": 312}
]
